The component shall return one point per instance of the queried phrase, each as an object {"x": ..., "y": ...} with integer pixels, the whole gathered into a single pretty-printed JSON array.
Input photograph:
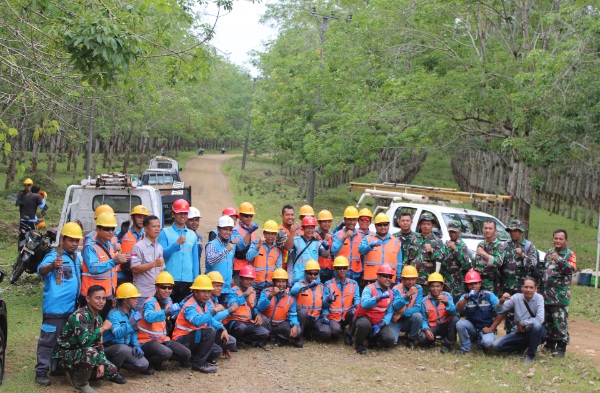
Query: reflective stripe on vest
[
  {"x": 311, "y": 300},
  {"x": 238, "y": 264},
  {"x": 244, "y": 311},
  {"x": 402, "y": 291},
  {"x": 350, "y": 250},
  {"x": 107, "y": 280},
  {"x": 278, "y": 313},
  {"x": 376, "y": 313},
  {"x": 343, "y": 301},
  {"x": 155, "y": 330},
  {"x": 265, "y": 264},
  {"x": 182, "y": 326},
  {"x": 387, "y": 252},
  {"x": 435, "y": 315}
]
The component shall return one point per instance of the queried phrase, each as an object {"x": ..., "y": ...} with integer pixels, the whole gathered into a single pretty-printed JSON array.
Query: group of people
[{"x": 142, "y": 295}]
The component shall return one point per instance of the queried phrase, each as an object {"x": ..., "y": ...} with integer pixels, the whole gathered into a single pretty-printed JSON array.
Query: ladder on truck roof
[{"x": 423, "y": 194}]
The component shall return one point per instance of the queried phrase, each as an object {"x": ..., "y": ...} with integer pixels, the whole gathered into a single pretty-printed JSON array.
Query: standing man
[
  {"x": 346, "y": 242},
  {"x": 408, "y": 297},
  {"x": 61, "y": 275},
  {"x": 147, "y": 260},
  {"x": 193, "y": 223},
  {"x": 131, "y": 232},
  {"x": 244, "y": 231},
  {"x": 489, "y": 257},
  {"x": 456, "y": 261},
  {"x": 381, "y": 248},
  {"x": 306, "y": 247},
  {"x": 559, "y": 265},
  {"x": 219, "y": 255},
  {"x": 406, "y": 234},
  {"x": 287, "y": 230},
  {"x": 265, "y": 257},
  {"x": 425, "y": 250},
  {"x": 27, "y": 183},
  {"x": 365, "y": 217},
  {"x": 325, "y": 219},
  {"x": 31, "y": 202},
  {"x": 180, "y": 250},
  {"x": 439, "y": 314}
]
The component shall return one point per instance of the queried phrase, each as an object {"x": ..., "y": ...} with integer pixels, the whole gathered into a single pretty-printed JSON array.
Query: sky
[{"x": 239, "y": 32}]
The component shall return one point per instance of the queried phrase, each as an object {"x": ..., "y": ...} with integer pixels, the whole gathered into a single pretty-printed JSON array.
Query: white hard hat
[
  {"x": 225, "y": 221},
  {"x": 194, "y": 213}
]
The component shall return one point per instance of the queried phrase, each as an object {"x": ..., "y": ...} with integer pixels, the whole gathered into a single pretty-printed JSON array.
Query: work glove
[
  {"x": 138, "y": 352},
  {"x": 376, "y": 329},
  {"x": 331, "y": 298},
  {"x": 133, "y": 320},
  {"x": 325, "y": 320},
  {"x": 253, "y": 227},
  {"x": 472, "y": 294},
  {"x": 325, "y": 245},
  {"x": 174, "y": 309},
  {"x": 281, "y": 238},
  {"x": 384, "y": 295},
  {"x": 313, "y": 284},
  {"x": 375, "y": 243}
]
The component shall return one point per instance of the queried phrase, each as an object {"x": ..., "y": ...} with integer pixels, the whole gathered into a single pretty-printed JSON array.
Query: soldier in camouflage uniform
[
  {"x": 79, "y": 348},
  {"x": 425, "y": 250},
  {"x": 489, "y": 257},
  {"x": 520, "y": 260},
  {"x": 405, "y": 235},
  {"x": 456, "y": 262},
  {"x": 559, "y": 265}
]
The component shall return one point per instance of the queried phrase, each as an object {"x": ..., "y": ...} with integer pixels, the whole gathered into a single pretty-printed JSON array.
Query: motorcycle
[
  {"x": 32, "y": 250},
  {"x": 201, "y": 152},
  {"x": 223, "y": 150}
]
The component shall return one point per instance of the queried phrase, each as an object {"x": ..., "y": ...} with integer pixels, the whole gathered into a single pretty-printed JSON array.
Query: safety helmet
[
  {"x": 247, "y": 208},
  {"x": 44, "y": 194},
  {"x": 41, "y": 225},
  {"x": 225, "y": 221},
  {"x": 127, "y": 290},
  {"x": 230, "y": 211},
  {"x": 324, "y": 215},
  {"x": 164, "y": 277},
  {"x": 181, "y": 206},
  {"x": 139, "y": 209},
  {"x": 381, "y": 218},
  {"x": 202, "y": 283},
  {"x": 365, "y": 213},
  {"x": 194, "y": 213},
  {"x": 248, "y": 271},
  {"x": 106, "y": 219},
  {"x": 385, "y": 269},
  {"x": 101, "y": 209},
  {"x": 27, "y": 182},
  {"x": 271, "y": 226},
  {"x": 435, "y": 277},
  {"x": 307, "y": 210},
  {"x": 72, "y": 230},
  {"x": 340, "y": 261},
  {"x": 311, "y": 264},
  {"x": 309, "y": 221},
  {"x": 280, "y": 274},
  {"x": 472, "y": 276},
  {"x": 409, "y": 271},
  {"x": 215, "y": 277},
  {"x": 351, "y": 212}
]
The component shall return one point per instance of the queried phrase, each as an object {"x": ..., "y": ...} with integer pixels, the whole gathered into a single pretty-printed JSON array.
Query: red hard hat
[
  {"x": 248, "y": 271},
  {"x": 472, "y": 276},
  {"x": 230, "y": 211},
  {"x": 385, "y": 269},
  {"x": 181, "y": 206},
  {"x": 309, "y": 221}
]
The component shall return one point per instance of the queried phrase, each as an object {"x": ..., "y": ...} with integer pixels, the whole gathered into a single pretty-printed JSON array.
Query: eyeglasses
[
  {"x": 166, "y": 287},
  {"x": 388, "y": 276},
  {"x": 341, "y": 268},
  {"x": 383, "y": 224},
  {"x": 367, "y": 219},
  {"x": 246, "y": 215},
  {"x": 107, "y": 229},
  {"x": 312, "y": 273}
]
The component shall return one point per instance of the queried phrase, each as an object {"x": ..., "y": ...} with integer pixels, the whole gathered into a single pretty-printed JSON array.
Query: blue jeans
[
  {"x": 516, "y": 341},
  {"x": 466, "y": 331},
  {"x": 410, "y": 325}
]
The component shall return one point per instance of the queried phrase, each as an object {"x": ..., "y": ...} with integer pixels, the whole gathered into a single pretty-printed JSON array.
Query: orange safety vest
[
  {"x": 127, "y": 243},
  {"x": 153, "y": 331},
  {"x": 435, "y": 315},
  {"x": 376, "y": 313},
  {"x": 238, "y": 264},
  {"x": 183, "y": 327},
  {"x": 244, "y": 311},
  {"x": 265, "y": 264},
  {"x": 311, "y": 300},
  {"x": 326, "y": 262},
  {"x": 343, "y": 301},
  {"x": 402, "y": 292},
  {"x": 387, "y": 252},
  {"x": 284, "y": 255},
  {"x": 278, "y": 313},
  {"x": 350, "y": 250},
  {"x": 107, "y": 280}
]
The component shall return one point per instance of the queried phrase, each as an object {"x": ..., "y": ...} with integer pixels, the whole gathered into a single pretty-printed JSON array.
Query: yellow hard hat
[
  {"x": 215, "y": 277},
  {"x": 351, "y": 212},
  {"x": 71, "y": 230},
  {"x": 164, "y": 277},
  {"x": 280, "y": 274},
  {"x": 27, "y": 182},
  {"x": 435, "y": 277},
  {"x": 409, "y": 271},
  {"x": 271, "y": 226},
  {"x": 381, "y": 217},
  {"x": 41, "y": 225},
  {"x": 101, "y": 209},
  {"x": 139, "y": 209},
  {"x": 340, "y": 260},
  {"x": 307, "y": 210},
  {"x": 324, "y": 215},
  {"x": 202, "y": 283},
  {"x": 127, "y": 290},
  {"x": 247, "y": 208},
  {"x": 106, "y": 219},
  {"x": 365, "y": 213},
  {"x": 312, "y": 265}
]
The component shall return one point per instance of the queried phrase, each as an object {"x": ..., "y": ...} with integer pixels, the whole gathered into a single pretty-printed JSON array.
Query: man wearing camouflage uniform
[
  {"x": 79, "y": 349},
  {"x": 489, "y": 257},
  {"x": 559, "y": 265},
  {"x": 405, "y": 235},
  {"x": 456, "y": 261},
  {"x": 425, "y": 250}
]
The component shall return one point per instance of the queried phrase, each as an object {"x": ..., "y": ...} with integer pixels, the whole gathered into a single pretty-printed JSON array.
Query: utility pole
[
  {"x": 249, "y": 124},
  {"x": 88, "y": 169},
  {"x": 310, "y": 192}
]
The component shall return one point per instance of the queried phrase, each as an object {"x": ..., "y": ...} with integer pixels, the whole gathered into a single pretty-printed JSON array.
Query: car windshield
[
  {"x": 472, "y": 225},
  {"x": 119, "y": 203}
]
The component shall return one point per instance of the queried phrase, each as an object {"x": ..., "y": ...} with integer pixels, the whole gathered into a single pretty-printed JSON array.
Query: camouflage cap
[
  {"x": 454, "y": 226},
  {"x": 425, "y": 217},
  {"x": 515, "y": 224}
]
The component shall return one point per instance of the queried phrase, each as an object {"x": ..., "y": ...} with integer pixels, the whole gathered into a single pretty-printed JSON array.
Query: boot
[
  {"x": 550, "y": 346},
  {"x": 42, "y": 379},
  {"x": 79, "y": 380},
  {"x": 561, "y": 348}
]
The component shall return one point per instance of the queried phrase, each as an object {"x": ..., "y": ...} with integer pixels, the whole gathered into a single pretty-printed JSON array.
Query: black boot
[
  {"x": 550, "y": 346},
  {"x": 42, "y": 379},
  {"x": 561, "y": 348}
]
